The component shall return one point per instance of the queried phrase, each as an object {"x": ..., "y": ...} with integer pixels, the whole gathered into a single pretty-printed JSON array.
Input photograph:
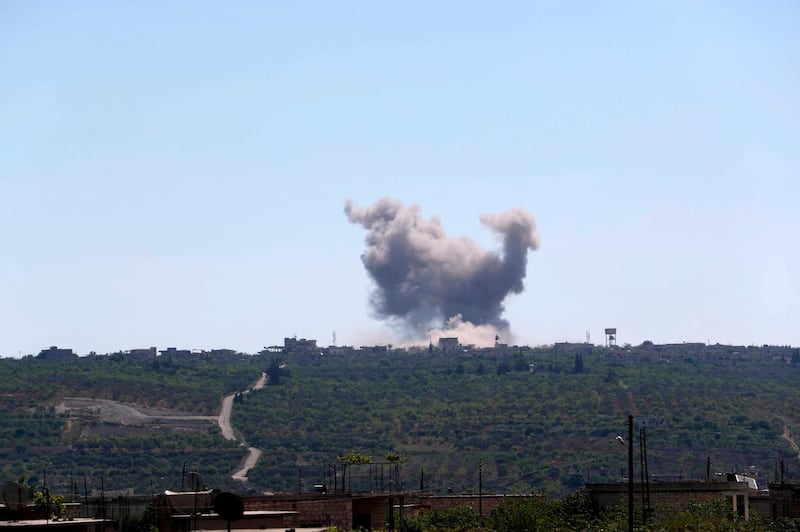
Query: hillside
[
  {"x": 548, "y": 429},
  {"x": 119, "y": 421},
  {"x": 537, "y": 419}
]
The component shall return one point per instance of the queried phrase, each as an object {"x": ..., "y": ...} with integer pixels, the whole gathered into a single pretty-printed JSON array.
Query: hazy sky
[{"x": 174, "y": 173}]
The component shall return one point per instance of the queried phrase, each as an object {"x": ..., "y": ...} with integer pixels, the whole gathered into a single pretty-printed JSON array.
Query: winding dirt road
[
  {"x": 788, "y": 437},
  {"x": 249, "y": 463},
  {"x": 224, "y": 419},
  {"x": 224, "y": 422},
  {"x": 133, "y": 415}
]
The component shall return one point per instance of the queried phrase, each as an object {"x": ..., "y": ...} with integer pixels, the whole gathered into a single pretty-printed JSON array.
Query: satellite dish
[
  {"x": 229, "y": 506},
  {"x": 15, "y": 495},
  {"x": 193, "y": 481}
]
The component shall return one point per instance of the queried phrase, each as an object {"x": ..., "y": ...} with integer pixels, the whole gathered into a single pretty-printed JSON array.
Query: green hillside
[
  {"x": 542, "y": 419},
  {"x": 39, "y": 436},
  {"x": 548, "y": 429}
]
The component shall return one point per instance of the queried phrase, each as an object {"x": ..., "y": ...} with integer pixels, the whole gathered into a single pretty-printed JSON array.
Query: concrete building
[
  {"x": 79, "y": 524},
  {"x": 143, "y": 354},
  {"x": 784, "y": 500},
  {"x": 350, "y": 511},
  {"x": 56, "y": 354},
  {"x": 175, "y": 353},
  {"x": 373, "y": 349},
  {"x": 19, "y": 513},
  {"x": 197, "y": 510},
  {"x": 449, "y": 345},
  {"x": 675, "y": 495},
  {"x": 301, "y": 344}
]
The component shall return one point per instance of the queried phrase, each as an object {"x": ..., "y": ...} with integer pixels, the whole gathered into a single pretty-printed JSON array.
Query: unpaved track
[
  {"x": 132, "y": 415},
  {"x": 225, "y": 427},
  {"x": 788, "y": 437},
  {"x": 124, "y": 414},
  {"x": 249, "y": 463},
  {"x": 224, "y": 419}
]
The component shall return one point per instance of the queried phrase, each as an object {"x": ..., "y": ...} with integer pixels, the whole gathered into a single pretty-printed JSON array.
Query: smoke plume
[{"x": 432, "y": 285}]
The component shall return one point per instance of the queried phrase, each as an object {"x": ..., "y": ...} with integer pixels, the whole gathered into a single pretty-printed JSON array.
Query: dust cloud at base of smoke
[{"x": 471, "y": 334}]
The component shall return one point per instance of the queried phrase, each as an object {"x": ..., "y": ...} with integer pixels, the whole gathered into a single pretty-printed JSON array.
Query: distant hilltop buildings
[
  {"x": 56, "y": 354},
  {"x": 452, "y": 345}
]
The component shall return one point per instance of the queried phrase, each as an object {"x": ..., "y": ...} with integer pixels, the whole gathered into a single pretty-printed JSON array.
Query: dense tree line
[
  {"x": 575, "y": 513},
  {"x": 538, "y": 420}
]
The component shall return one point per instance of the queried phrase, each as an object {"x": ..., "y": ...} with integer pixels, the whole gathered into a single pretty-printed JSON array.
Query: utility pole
[
  {"x": 480, "y": 488},
  {"x": 630, "y": 473}
]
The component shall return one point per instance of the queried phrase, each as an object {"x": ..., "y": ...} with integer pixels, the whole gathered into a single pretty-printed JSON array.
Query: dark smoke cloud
[{"x": 426, "y": 280}]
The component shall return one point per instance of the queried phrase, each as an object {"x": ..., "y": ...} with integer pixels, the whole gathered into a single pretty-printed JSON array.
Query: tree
[
  {"x": 578, "y": 363},
  {"x": 394, "y": 458},
  {"x": 503, "y": 368},
  {"x": 451, "y": 519},
  {"x": 526, "y": 514},
  {"x": 48, "y": 503},
  {"x": 350, "y": 459},
  {"x": 355, "y": 458},
  {"x": 274, "y": 372}
]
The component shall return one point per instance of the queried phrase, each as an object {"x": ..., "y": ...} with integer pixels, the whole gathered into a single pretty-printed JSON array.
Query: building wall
[
  {"x": 370, "y": 512},
  {"x": 143, "y": 354},
  {"x": 671, "y": 494},
  {"x": 54, "y": 354},
  {"x": 760, "y": 505},
  {"x": 311, "y": 512},
  {"x": 784, "y": 500},
  {"x": 347, "y": 511}
]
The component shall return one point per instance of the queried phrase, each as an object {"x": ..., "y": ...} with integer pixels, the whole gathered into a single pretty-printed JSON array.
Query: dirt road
[
  {"x": 224, "y": 419},
  {"x": 788, "y": 437},
  {"x": 249, "y": 463},
  {"x": 224, "y": 422},
  {"x": 125, "y": 414},
  {"x": 133, "y": 415}
]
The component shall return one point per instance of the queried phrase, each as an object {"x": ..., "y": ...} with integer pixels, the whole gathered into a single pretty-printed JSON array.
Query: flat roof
[
  {"x": 24, "y": 523},
  {"x": 248, "y": 514},
  {"x": 281, "y": 529}
]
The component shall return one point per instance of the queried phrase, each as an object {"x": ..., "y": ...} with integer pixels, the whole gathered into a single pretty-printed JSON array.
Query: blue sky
[{"x": 174, "y": 173}]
